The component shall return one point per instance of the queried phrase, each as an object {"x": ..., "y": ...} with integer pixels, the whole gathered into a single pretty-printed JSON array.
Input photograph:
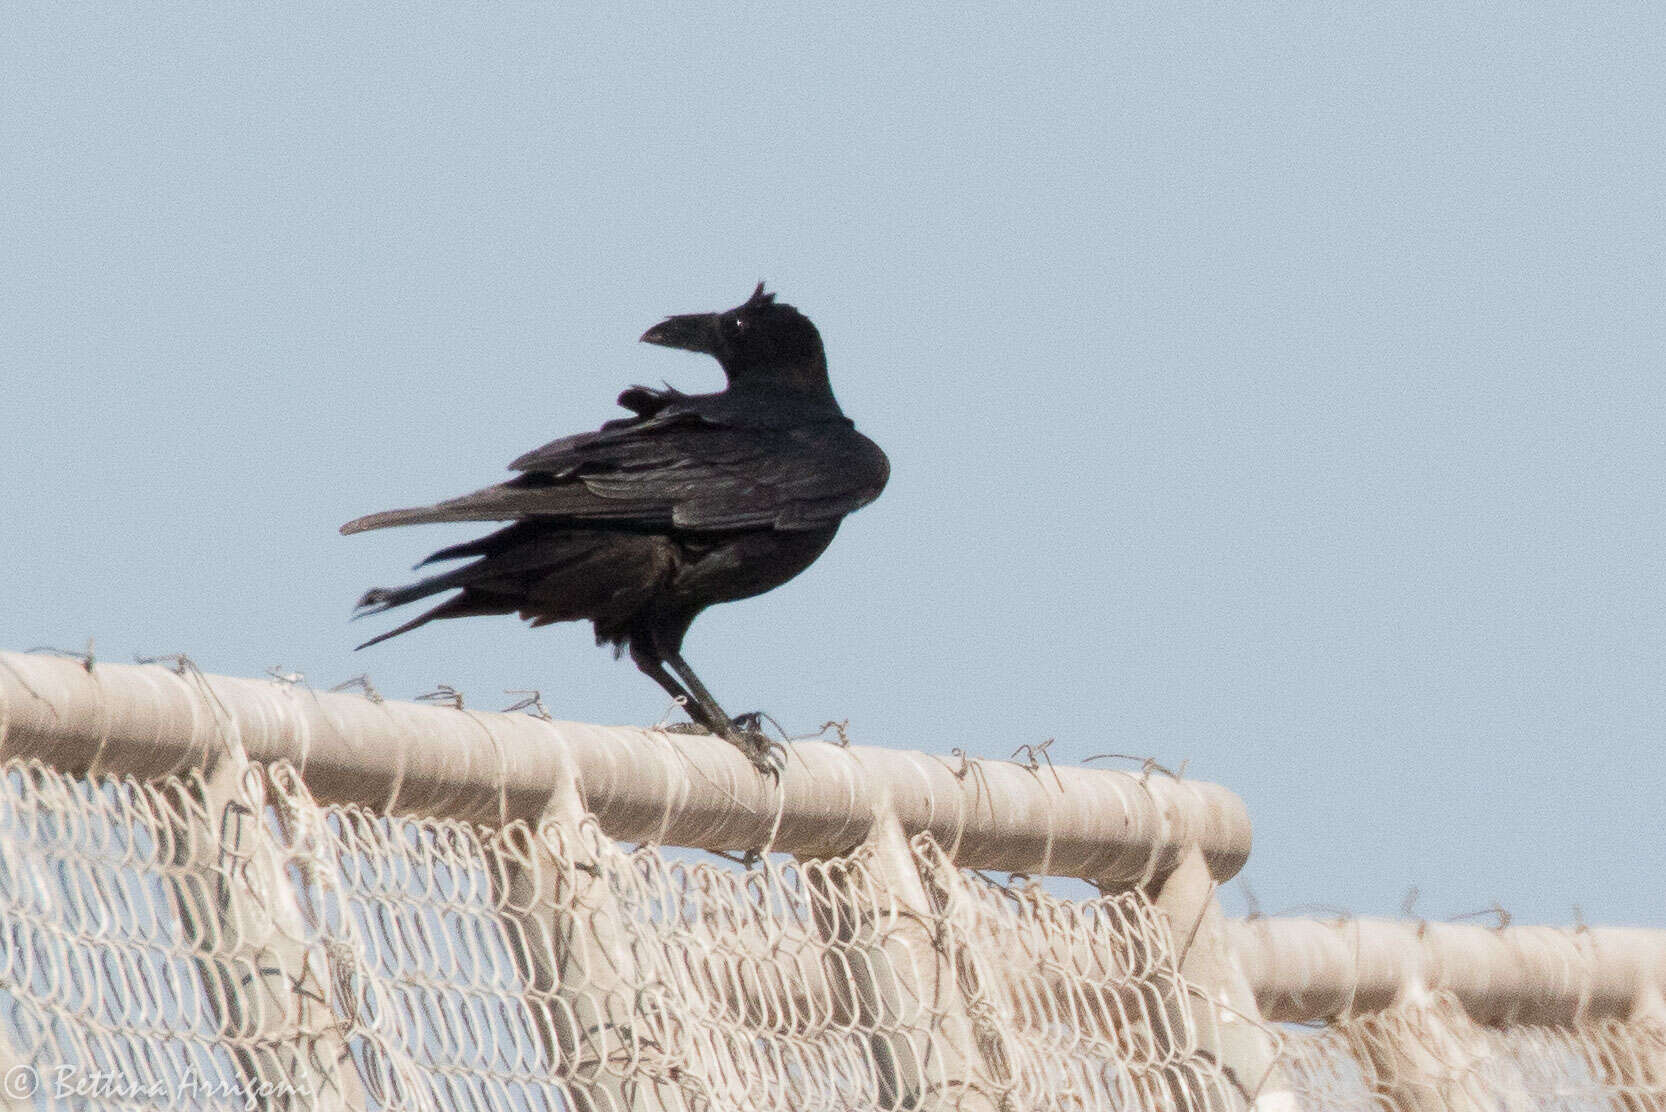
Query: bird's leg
[
  {"x": 652, "y": 667},
  {"x": 720, "y": 721},
  {"x": 767, "y": 755}
]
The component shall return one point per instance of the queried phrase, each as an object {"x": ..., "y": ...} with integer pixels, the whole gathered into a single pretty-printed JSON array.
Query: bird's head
[{"x": 759, "y": 341}]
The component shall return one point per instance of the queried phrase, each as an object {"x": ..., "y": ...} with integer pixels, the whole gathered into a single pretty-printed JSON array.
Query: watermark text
[{"x": 70, "y": 1082}]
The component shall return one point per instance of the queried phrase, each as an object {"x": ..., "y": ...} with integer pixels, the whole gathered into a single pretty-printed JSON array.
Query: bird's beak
[{"x": 692, "y": 332}]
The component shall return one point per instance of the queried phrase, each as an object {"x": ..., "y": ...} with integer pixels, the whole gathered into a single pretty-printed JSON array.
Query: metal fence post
[
  {"x": 556, "y": 896},
  {"x": 907, "y": 990},
  {"x": 1228, "y": 1022},
  {"x": 287, "y": 1000}
]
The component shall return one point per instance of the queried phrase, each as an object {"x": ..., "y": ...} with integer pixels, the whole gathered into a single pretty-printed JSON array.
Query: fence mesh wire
[
  {"x": 1428, "y": 1054},
  {"x": 227, "y": 943}
]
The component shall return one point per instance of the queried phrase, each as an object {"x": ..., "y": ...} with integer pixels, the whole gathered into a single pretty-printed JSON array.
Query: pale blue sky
[{"x": 1273, "y": 387}]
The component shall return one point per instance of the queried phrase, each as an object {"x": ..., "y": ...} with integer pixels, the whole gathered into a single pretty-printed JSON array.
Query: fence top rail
[
  {"x": 1304, "y": 970},
  {"x": 1114, "y": 828}
]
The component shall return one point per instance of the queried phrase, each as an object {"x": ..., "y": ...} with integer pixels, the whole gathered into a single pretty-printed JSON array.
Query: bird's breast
[{"x": 746, "y": 564}]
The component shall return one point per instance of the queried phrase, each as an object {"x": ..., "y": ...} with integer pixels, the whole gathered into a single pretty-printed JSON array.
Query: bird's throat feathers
[{"x": 806, "y": 376}]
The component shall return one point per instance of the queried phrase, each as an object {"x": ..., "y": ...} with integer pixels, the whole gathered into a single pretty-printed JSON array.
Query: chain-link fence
[{"x": 223, "y": 893}]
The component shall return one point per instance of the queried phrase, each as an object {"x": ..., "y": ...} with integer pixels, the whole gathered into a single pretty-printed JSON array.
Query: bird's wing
[
  {"x": 645, "y": 401},
  {"x": 678, "y": 472},
  {"x": 796, "y": 478}
]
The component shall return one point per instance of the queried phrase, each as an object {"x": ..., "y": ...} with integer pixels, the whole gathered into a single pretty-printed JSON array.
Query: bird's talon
[
  {"x": 769, "y": 757},
  {"x": 771, "y": 761}
]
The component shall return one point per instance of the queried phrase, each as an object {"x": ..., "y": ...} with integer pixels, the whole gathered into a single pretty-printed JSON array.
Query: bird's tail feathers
[
  {"x": 383, "y": 520},
  {"x": 587, "y": 574},
  {"x": 497, "y": 503},
  {"x": 480, "y": 547},
  {"x": 378, "y": 599},
  {"x": 458, "y": 607}
]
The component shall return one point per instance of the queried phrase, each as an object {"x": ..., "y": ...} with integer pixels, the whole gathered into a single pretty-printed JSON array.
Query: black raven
[{"x": 695, "y": 500}]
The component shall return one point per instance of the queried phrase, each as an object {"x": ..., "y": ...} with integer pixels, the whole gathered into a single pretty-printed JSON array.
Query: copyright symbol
[{"x": 21, "y": 1082}]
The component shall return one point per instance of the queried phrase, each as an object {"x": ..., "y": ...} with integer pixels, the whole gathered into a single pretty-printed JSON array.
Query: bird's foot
[{"x": 767, "y": 755}]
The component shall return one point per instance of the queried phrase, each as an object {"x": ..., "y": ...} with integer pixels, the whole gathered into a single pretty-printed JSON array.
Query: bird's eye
[{"x": 733, "y": 328}]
